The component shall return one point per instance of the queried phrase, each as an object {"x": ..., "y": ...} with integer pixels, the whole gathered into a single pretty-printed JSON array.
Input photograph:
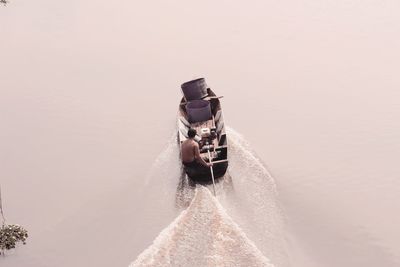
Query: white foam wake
[
  {"x": 253, "y": 200},
  {"x": 202, "y": 235},
  {"x": 247, "y": 193}
]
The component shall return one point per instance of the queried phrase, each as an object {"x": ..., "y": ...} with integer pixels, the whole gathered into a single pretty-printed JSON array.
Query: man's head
[{"x": 192, "y": 133}]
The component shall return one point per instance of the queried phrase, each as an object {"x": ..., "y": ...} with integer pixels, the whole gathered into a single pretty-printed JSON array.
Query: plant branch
[{"x": 1, "y": 209}]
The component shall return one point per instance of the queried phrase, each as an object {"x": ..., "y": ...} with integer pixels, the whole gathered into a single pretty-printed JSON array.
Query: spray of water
[
  {"x": 202, "y": 235},
  {"x": 244, "y": 220}
]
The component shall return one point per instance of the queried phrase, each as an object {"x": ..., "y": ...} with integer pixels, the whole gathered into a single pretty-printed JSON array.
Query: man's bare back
[{"x": 190, "y": 152}]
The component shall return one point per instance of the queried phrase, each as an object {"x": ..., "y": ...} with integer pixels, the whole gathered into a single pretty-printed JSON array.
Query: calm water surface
[{"x": 88, "y": 98}]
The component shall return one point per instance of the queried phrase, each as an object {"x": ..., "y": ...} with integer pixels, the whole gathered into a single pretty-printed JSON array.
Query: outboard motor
[
  {"x": 198, "y": 111},
  {"x": 195, "y": 89}
]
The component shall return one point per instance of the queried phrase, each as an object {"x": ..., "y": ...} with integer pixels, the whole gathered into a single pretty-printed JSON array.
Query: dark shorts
[{"x": 193, "y": 164}]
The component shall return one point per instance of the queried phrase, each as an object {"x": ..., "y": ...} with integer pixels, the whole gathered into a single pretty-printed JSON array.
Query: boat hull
[
  {"x": 214, "y": 121},
  {"x": 203, "y": 175}
]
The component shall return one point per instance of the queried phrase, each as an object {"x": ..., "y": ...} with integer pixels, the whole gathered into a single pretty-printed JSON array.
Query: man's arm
[{"x": 198, "y": 156}]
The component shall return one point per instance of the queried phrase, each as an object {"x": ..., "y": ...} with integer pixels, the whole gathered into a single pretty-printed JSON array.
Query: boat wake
[
  {"x": 203, "y": 235},
  {"x": 242, "y": 226}
]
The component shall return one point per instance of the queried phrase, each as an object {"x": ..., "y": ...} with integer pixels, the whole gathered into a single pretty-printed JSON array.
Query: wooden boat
[{"x": 200, "y": 109}]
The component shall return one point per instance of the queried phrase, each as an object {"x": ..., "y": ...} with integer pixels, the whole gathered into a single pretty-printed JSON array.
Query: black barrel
[
  {"x": 198, "y": 110},
  {"x": 195, "y": 89}
]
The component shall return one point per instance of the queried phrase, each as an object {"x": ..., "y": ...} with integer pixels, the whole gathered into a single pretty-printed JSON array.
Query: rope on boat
[{"x": 212, "y": 171}]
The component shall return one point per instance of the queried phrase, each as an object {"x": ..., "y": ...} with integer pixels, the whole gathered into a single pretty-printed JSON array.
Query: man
[{"x": 190, "y": 152}]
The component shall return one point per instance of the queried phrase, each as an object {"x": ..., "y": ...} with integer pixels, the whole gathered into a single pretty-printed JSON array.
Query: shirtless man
[{"x": 190, "y": 152}]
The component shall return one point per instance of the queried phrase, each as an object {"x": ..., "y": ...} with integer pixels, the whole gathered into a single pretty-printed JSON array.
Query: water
[
  {"x": 88, "y": 98},
  {"x": 203, "y": 235},
  {"x": 247, "y": 195}
]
